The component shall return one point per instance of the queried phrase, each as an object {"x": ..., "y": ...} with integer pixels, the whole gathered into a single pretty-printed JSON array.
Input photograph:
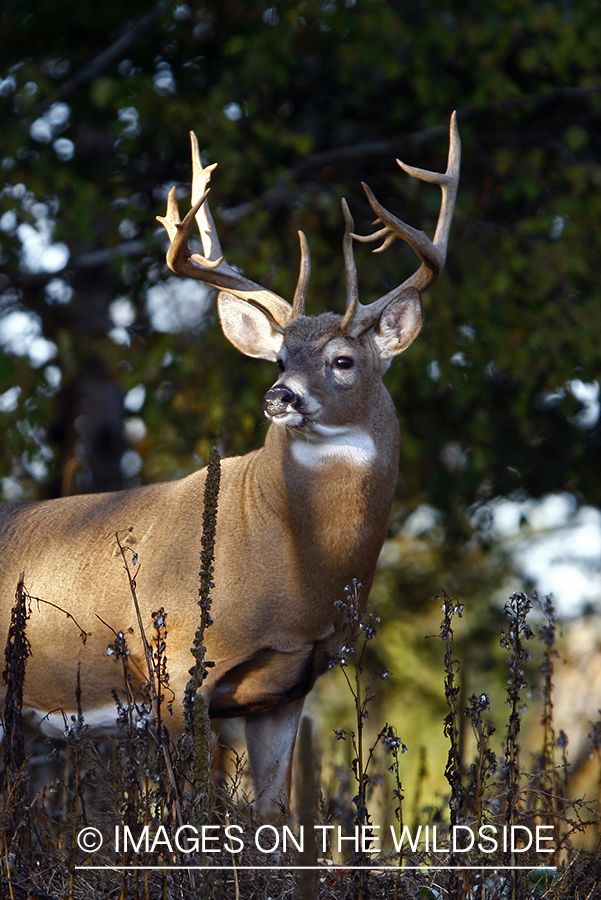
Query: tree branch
[
  {"x": 103, "y": 60},
  {"x": 280, "y": 194}
]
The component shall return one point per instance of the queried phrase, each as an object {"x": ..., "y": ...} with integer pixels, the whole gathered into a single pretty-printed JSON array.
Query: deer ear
[
  {"x": 249, "y": 328},
  {"x": 399, "y": 324}
]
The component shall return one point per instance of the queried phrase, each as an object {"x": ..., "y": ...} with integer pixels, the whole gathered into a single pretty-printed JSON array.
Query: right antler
[
  {"x": 433, "y": 254},
  {"x": 210, "y": 266}
]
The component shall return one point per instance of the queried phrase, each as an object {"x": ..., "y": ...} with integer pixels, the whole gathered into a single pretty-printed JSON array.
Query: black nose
[{"x": 278, "y": 399}]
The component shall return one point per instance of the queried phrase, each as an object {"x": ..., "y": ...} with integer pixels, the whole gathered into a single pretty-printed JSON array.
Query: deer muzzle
[{"x": 278, "y": 401}]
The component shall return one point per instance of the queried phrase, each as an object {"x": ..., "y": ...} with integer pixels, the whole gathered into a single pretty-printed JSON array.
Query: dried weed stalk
[
  {"x": 453, "y": 771},
  {"x": 195, "y": 747},
  {"x": 360, "y": 629}
]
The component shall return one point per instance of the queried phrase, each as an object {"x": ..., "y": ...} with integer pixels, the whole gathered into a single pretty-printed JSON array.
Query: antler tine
[
  {"x": 352, "y": 285},
  {"x": 432, "y": 253},
  {"x": 449, "y": 182},
  {"x": 179, "y": 255},
  {"x": 212, "y": 267},
  {"x": 300, "y": 294},
  {"x": 201, "y": 177}
]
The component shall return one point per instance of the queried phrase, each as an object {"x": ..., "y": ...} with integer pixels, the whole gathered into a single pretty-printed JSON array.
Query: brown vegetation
[{"x": 144, "y": 821}]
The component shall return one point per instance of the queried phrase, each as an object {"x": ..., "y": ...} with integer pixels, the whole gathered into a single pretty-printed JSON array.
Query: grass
[{"x": 142, "y": 801}]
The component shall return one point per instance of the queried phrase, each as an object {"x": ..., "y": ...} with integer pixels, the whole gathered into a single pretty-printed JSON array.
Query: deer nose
[{"x": 278, "y": 399}]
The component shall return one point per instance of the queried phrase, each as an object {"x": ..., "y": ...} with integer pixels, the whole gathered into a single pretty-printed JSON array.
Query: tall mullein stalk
[
  {"x": 195, "y": 706},
  {"x": 16, "y": 653},
  {"x": 13, "y": 813}
]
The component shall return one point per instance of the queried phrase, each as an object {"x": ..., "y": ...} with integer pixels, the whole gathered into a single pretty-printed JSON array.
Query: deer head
[{"x": 255, "y": 320}]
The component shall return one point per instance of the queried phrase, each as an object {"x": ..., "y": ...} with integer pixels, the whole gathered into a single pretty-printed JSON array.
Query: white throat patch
[{"x": 330, "y": 444}]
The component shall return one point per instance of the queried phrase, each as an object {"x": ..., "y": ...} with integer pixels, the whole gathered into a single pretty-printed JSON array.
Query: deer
[{"x": 298, "y": 519}]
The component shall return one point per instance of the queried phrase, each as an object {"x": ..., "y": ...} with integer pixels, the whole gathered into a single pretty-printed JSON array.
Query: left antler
[{"x": 433, "y": 253}]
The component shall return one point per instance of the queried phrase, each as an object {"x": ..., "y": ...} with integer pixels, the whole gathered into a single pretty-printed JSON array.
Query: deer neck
[
  {"x": 331, "y": 494},
  {"x": 303, "y": 461}
]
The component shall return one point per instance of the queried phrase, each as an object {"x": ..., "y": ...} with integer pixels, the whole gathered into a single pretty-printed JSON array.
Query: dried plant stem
[
  {"x": 147, "y": 648},
  {"x": 359, "y": 630},
  {"x": 155, "y": 682},
  {"x": 547, "y": 633},
  {"x": 76, "y": 793},
  {"x": 594, "y": 736},
  {"x": 485, "y": 764},
  {"x": 16, "y": 653},
  {"x": 549, "y": 783},
  {"x": 14, "y": 810},
  {"x": 453, "y": 772},
  {"x": 516, "y": 610},
  {"x": 512, "y": 640},
  {"x": 8, "y": 868}
]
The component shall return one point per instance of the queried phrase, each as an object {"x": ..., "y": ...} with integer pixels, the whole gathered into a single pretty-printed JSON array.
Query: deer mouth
[{"x": 290, "y": 417}]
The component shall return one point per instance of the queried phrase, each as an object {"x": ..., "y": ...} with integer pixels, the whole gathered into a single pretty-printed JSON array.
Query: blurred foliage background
[{"x": 298, "y": 102}]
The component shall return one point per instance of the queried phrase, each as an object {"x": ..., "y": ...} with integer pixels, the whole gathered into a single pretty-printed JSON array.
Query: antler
[
  {"x": 433, "y": 253},
  {"x": 210, "y": 266}
]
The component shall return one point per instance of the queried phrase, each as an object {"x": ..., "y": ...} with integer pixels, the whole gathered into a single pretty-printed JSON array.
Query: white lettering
[
  {"x": 324, "y": 832},
  {"x": 162, "y": 838},
  {"x": 233, "y": 837},
  {"x": 271, "y": 829},
  {"x": 456, "y": 829},
  {"x": 368, "y": 837},
  {"x": 544, "y": 838},
  {"x": 515, "y": 838},
  {"x": 486, "y": 837},
  {"x": 191, "y": 843},
  {"x": 288, "y": 835},
  {"x": 436, "y": 849},
  {"x": 209, "y": 838},
  {"x": 405, "y": 835},
  {"x": 129, "y": 838},
  {"x": 353, "y": 837}
]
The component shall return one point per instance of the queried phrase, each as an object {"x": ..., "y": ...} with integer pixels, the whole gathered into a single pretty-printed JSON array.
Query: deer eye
[
  {"x": 281, "y": 365},
  {"x": 344, "y": 362}
]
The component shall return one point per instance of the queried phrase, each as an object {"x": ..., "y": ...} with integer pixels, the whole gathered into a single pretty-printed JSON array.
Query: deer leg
[{"x": 270, "y": 737}]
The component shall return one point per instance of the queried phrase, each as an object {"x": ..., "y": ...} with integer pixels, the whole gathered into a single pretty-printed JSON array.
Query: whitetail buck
[{"x": 298, "y": 519}]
